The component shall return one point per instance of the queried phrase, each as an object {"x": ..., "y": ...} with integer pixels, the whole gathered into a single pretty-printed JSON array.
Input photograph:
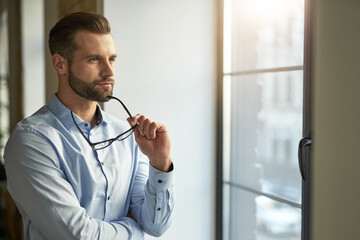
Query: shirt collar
[{"x": 64, "y": 114}]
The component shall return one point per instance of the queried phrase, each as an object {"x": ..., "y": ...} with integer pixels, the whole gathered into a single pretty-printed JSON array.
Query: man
[{"x": 68, "y": 173}]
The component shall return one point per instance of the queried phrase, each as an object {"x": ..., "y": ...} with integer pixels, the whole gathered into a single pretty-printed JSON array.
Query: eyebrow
[{"x": 97, "y": 55}]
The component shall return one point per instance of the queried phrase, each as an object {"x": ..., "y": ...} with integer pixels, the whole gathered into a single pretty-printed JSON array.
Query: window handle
[{"x": 303, "y": 144}]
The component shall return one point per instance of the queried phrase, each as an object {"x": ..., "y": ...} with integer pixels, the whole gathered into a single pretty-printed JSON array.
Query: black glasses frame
[{"x": 108, "y": 142}]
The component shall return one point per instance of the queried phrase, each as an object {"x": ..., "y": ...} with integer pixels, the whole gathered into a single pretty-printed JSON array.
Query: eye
[
  {"x": 93, "y": 59},
  {"x": 112, "y": 59}
]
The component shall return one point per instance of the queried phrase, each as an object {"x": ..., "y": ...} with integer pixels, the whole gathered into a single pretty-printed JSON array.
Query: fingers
[
  {"x": 153, "y": 127},
  {"x": 146, "y": 127},
  {"x": 133, "y": 121}
]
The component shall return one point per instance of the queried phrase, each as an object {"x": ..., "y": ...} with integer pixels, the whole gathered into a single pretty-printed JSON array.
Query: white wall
[
  {"x": 166, "y": 69},
  {"x": 33, "y": 63},
  {"x": 336, "y": 192}
]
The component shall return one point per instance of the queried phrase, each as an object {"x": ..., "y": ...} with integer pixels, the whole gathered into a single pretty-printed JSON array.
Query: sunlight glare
[{"x": 273, "y": 11}]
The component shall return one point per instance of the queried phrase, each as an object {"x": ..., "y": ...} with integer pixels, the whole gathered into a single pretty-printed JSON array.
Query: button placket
[{"x": 85, "y": 128}]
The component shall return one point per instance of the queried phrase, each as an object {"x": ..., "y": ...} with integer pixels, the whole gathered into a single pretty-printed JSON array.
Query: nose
[{"x": 108, "y": 69}]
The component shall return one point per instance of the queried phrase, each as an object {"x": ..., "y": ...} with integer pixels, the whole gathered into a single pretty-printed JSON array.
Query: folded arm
[{"x": 47, "y": 200}]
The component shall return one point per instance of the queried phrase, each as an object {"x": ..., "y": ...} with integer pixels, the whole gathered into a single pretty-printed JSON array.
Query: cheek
[{"x": 87, "y": 72}]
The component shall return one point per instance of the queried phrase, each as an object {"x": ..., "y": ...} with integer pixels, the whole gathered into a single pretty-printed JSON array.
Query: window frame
[{"x": 306, "y": 128}]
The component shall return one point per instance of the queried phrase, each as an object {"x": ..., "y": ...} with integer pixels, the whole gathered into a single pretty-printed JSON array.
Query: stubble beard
[{"x": 88, "y": 90}]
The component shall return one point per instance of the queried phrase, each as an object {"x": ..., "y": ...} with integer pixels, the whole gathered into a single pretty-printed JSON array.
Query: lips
[{"x": 106, "y": 84}]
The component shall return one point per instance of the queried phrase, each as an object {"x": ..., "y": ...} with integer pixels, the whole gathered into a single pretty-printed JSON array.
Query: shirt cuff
[{"x": 160, "y": 181}]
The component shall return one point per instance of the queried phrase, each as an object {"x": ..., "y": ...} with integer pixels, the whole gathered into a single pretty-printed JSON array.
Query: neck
[{"x": 82, "y": 107}]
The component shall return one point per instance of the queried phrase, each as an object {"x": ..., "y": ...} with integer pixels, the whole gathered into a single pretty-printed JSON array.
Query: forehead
[{"x": 95, "y": 43}]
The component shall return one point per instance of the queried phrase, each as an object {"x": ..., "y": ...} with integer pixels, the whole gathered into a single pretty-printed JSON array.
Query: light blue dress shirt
[{"x": 66, "y": 190}]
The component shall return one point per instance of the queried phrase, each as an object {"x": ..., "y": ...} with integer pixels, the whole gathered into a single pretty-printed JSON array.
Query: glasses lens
[
  {"x": 103, "y": 144},
  {"x": 106, "y": 143},
  {"x": 125, "y": 134}
]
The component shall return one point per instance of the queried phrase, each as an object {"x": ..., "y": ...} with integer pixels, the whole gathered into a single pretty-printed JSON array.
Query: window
[
  {"x": 4, "y": 73},
  {"x": 262, "y": 118},
  {"x": 4, "y": 114}
]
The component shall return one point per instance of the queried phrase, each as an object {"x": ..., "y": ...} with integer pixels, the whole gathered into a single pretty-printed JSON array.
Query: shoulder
[
  {"x": 42, "y": 124},
  {"x": 27, "y": 145},
  {"x": 37, "y": 120},
  {"x": 32, "y": 140}
]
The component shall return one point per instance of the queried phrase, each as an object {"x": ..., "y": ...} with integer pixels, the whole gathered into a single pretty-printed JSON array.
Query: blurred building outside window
[{"x": 263, "y": 79}]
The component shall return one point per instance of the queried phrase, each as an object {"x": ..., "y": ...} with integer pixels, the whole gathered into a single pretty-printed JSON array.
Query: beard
[{"x": 88, "y": 90}]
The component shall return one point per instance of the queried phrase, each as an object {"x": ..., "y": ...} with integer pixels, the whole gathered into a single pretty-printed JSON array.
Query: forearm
[{"x": 152, "y": 205}]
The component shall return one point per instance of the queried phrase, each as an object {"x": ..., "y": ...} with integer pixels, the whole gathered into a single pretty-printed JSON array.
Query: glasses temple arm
[{"x": 128, "y": 112}]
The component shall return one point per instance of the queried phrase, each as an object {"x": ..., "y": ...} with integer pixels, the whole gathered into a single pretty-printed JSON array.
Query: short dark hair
[{"x": 61, "y": 36}]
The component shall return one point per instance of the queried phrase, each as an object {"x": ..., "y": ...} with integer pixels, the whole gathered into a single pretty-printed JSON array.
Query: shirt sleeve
[
  {"x": 47, "y": 200},
  {"x": 152, "y": 198}
]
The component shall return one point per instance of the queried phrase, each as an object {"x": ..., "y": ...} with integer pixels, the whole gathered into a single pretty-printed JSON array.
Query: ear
[{"x": 60, "y": 64}]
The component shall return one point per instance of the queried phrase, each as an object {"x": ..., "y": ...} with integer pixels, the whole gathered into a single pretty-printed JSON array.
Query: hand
[{"x": 154, "y": 141}]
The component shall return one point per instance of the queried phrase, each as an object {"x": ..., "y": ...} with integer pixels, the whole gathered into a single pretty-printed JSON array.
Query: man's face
[{"x": 92, "y": 68}]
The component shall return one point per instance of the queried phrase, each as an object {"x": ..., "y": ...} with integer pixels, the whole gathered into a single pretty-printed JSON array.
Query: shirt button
[
  {"x": 86, "y": 124},
  {"x": 159, "y": 209},
  {"x": 159, "y": 181},
  {"x": 109, "y": 198},
  {"x": 102, "y": 163}
]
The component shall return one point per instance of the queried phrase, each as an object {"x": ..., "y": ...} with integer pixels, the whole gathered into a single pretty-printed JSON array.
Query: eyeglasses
[{"x": 108, "y": 142}]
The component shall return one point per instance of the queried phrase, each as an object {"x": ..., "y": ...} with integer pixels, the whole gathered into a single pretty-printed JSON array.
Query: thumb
[{"x": 131, "y": 121}]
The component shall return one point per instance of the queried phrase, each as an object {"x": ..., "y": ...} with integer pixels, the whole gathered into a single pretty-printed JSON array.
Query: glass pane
[
  {"x": 261, "y": 219},
  {"x": 276, "y": 220},
  {"x": 4, "y": 115},
  {"x": 263, "y": 34},
  {"x": 33, "y": 52},
  {"x": 4, "y": 73},
  {"x": 266, "y": 126}
]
